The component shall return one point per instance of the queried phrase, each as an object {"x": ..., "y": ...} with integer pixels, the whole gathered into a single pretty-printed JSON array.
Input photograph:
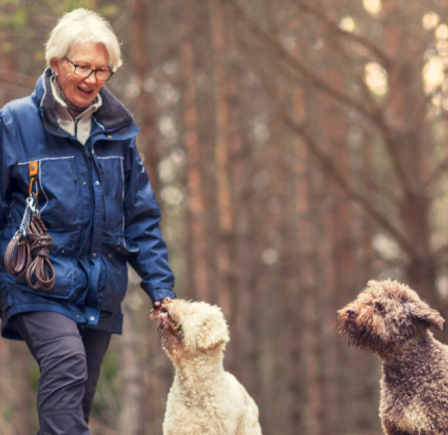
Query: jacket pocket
[
  {"x": 113, "y": 281},
  {"x": 113, "y": 193},
  {"x": 65, "y": 282},
  {"x": 58, "y": 196},
  {"x": 65, "y": 267}
]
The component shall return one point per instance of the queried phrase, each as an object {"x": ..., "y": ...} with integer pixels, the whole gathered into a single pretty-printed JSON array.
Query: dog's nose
[{"x": 351, "y": 314}]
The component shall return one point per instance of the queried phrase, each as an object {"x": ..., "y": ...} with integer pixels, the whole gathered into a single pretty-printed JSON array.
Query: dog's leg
[
  {"x": 249, "y": 424},
  {"x": 249, "y": 427}
]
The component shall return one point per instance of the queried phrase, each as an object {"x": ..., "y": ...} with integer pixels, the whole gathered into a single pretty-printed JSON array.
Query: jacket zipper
[{"x": 10, "y": 210}]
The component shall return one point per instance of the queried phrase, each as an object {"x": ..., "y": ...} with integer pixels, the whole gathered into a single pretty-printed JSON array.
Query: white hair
[{"x": 78, "y": 26}]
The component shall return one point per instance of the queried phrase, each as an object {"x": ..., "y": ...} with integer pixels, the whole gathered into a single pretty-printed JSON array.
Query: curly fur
[
  {"x": 204, "y": 399},
  {"x": 390, "y": 319}
]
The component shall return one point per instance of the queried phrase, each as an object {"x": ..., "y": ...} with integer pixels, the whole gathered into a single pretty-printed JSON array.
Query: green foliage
[
  {"x": 110, "y": 366},
  {"x": 19, "y": 18},
  {"x": 109, "y": 11},
  {"x": 75, "y": 4},
  {"x": 39, "y": 55},
  {"x": 7, "y": 414},
  {"x": 35, "y": 373},
  {"x": 104, "y": 402}
]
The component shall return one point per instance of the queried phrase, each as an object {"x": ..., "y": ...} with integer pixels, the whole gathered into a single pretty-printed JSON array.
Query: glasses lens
[
  {"x": 83, "y": 71},
  {"x": 103, "y": 75}
]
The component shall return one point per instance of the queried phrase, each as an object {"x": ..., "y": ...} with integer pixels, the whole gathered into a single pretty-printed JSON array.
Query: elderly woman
[{"x": 73, "y": 143}]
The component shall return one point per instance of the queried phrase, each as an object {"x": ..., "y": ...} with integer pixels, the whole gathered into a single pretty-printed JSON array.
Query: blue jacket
[{"x": 97, "y": 204}]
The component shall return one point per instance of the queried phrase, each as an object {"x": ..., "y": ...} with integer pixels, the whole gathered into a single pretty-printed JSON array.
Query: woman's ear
[{"x": 55, "y": 65}]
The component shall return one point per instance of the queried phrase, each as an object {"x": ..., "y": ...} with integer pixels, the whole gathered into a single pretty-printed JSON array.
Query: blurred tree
[{"x": 197, "y": 270}]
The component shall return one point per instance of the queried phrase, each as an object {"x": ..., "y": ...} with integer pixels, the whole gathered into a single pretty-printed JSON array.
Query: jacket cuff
[{"x": 161, "y": 293}]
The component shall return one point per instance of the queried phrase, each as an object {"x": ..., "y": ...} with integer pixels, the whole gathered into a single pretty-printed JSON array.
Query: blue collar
[{"x": 112, "y": 115}]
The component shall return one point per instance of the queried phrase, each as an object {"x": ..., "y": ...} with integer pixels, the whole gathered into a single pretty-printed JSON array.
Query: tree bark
[
  {"x": 147, "y": 139},
  {"x": 198, "y": 280},
  {"x": 223, "y": 184},
  {"x": 406, "y": 139},
  {"x": 130, "y": 420}
]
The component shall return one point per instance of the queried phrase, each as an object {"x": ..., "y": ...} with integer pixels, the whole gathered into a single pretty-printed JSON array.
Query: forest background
[{"x": 297, "y": 149}]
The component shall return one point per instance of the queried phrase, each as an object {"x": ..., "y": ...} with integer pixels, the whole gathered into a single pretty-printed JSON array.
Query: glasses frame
[{"x": 91, "y": 72}]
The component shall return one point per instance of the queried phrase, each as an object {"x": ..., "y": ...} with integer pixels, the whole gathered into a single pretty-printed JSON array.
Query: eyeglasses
[{"x": 85, "y": 71}]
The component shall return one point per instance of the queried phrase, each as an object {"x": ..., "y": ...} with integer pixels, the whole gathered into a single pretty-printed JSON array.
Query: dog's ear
[
  {"x": 426, "y": 314},
  {"x": 212, "y": 333}
]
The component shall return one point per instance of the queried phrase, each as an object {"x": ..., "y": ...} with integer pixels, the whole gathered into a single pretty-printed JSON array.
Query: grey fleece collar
[
  {"x": 112, "y": 114},
  {"x": 79, "y": 125}
]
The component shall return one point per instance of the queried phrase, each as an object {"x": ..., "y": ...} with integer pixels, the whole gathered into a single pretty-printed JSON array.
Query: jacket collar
[{"x": 112, "y": 114}]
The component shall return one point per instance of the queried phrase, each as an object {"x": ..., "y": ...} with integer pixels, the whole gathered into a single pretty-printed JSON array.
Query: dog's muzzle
[
  {"x": 351, "y": 314},
  {"x": 168, "y": 329}
]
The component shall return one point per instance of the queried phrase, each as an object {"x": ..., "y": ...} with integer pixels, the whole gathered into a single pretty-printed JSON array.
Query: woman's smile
[{"x": 81, "y": 91}]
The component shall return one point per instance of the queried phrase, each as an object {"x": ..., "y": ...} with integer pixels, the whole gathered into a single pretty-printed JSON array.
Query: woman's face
[{"x": 81, "y": 91}]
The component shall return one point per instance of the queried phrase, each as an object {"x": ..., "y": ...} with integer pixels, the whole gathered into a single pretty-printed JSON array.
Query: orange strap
[{"x": 34, "y": 166}]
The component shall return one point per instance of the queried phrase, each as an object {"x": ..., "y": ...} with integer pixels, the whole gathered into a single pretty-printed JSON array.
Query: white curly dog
[{"x": 204, "y": 399}]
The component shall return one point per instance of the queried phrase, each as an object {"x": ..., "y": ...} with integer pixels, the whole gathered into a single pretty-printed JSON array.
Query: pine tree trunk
[{"x": 198, "y": 281}]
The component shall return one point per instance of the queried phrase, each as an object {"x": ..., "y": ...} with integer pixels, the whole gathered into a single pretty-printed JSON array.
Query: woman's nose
[{"x": 91, "y": 79}]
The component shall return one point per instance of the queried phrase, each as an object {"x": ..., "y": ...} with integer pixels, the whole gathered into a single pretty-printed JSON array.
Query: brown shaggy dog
[{"x": 389, "y": 319}]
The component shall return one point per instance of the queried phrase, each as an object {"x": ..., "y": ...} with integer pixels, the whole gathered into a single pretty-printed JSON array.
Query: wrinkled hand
[{"x": 157, "y": 308}]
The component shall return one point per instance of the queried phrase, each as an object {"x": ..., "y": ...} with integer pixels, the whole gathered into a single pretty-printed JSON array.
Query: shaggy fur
[
  {"x": 204, "y": 399},
  {"x": 389, "y": 319}
]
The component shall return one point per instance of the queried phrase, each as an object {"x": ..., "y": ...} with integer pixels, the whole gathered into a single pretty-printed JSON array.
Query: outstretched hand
[{"x": 157, "y": 308}]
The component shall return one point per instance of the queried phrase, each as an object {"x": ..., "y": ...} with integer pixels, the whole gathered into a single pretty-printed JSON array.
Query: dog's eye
[{"x": 380, "y": 307}]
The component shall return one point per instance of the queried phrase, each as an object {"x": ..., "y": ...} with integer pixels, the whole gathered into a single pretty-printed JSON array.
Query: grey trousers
[{"x": 69, "y": 360}]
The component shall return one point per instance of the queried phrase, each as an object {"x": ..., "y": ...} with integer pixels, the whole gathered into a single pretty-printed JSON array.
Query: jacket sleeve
[
  {"x": 142, "y": 217},
  {"x": 6, "y": 148}
]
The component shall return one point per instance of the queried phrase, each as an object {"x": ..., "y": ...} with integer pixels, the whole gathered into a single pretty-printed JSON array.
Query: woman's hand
[{"x": 157, "y": 308}]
